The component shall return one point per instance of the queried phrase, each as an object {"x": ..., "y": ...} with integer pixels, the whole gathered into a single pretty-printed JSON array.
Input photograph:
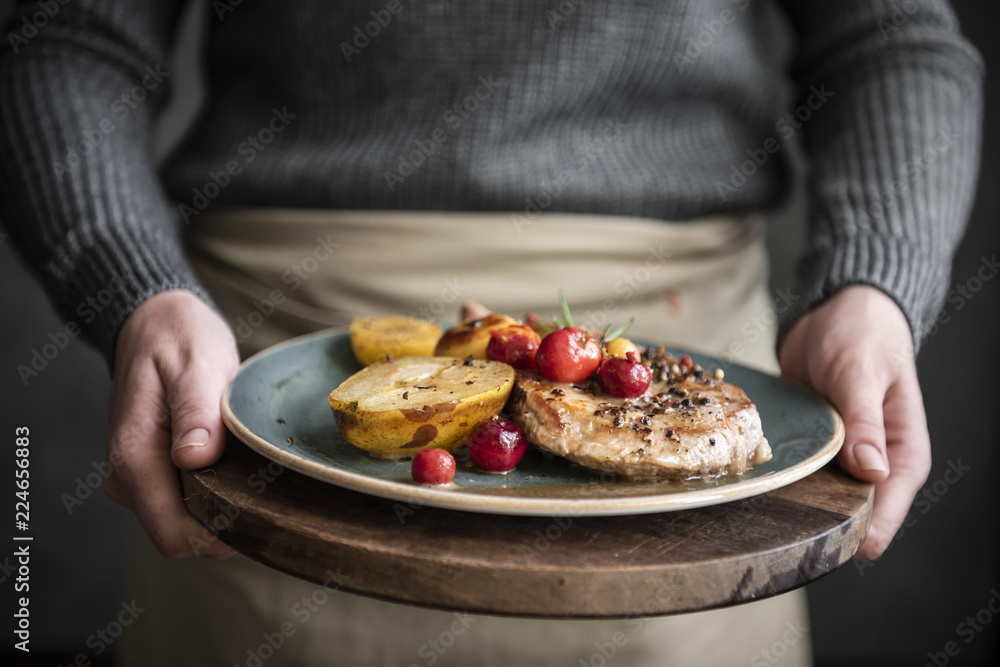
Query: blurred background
[{"x": 941, "y": 570}]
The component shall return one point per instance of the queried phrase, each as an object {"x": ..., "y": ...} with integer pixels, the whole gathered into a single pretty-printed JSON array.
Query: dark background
[{"x": 940, "y": 570}]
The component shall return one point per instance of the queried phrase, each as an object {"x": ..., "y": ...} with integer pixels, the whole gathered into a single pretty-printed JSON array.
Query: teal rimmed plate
[{"x": 277, "y": 405}]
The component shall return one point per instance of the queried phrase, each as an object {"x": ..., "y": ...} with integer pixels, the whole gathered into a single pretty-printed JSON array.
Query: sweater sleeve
[
  {"x": 890, "y": 112},
  {"x": 80, "y": 83}
]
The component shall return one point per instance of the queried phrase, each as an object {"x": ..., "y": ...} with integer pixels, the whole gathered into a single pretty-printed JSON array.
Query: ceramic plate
[{"x": 278, "y": 406}]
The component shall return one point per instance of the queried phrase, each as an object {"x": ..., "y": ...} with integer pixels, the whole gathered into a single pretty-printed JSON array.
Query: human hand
[
  {"x": 857, "y": 350},
  {"x": 173, "y": 360}
]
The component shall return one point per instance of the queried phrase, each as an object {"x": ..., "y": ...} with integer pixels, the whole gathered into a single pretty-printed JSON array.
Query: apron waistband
[{"x": 328, "y": 266}]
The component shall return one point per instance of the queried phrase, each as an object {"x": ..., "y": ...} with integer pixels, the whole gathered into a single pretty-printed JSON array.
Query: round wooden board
[{"x": 560, "y": 566}]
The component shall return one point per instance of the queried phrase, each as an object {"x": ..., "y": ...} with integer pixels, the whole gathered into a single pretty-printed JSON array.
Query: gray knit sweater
[{"x": 480, "y": 105}]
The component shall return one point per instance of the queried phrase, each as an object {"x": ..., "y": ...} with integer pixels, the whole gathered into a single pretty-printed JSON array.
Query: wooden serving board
[{"x": 562, "y": 566}]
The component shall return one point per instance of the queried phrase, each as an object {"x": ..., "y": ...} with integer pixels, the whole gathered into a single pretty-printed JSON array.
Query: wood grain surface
[{"x": 559, "y": 566}]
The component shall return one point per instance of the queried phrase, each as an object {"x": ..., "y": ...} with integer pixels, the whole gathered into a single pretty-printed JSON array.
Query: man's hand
[
  {"x": 173, "y": 360},
  {"x": 857, "y": 350}
]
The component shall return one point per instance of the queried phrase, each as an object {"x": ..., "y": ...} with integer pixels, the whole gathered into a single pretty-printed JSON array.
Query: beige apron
[{"x": 278, "y": 273}]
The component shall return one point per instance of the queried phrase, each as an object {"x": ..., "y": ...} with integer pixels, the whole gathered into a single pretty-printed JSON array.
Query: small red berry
[
  {"x": 515, "y": 345},
  {"x": 433, "y": 466},
  {"x": 496, "y": 445},
  {"x": 624, "y": 378}
]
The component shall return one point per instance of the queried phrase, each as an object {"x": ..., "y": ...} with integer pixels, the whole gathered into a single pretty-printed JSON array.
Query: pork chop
[{"x": 689, "y": 424}]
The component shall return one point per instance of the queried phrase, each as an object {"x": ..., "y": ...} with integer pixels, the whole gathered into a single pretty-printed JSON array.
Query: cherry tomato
[
  {"x": 624, "y": 378},
  {"x": 433, "y": 466},
  {"x": 496, "y": 445},
  {"x": 515, "y": 345},
  {"x": 568, "y": 355}
]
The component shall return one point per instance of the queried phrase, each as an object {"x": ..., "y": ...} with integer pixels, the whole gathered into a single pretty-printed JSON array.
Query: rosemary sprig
[
  {"x": 564, "y": 305},
  {"x": 617, "y": 332},
  {"x": 610, "y": 332}
]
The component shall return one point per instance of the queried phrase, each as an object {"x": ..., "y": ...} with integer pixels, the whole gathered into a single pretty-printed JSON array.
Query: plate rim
[{"x": 444, "y": 498}]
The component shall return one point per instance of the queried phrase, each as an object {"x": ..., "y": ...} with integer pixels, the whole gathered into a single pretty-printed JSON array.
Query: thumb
[
  {"x": 861, "y": 404},
  {"x": 199, "y": 435}
]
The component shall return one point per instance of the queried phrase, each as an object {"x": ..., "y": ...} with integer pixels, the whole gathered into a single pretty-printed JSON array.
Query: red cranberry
[
  {"x": 433, "y": 466},
  {"x": 624, "y": 378},
  {"x": 496, "y": 445}
]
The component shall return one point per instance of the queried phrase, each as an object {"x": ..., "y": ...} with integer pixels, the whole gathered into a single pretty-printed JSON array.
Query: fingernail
[
  {"x": 196, "y": 438},
  {"x": 869, "y": 458}
]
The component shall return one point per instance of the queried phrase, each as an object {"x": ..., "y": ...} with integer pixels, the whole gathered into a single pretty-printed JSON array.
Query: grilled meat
[{"x": 690, "y": 424}]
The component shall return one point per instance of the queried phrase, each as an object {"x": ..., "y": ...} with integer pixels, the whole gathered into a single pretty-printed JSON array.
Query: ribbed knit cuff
[
  {"x": 113, "y": 288},
  {"x": 913, "y": 280}
]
